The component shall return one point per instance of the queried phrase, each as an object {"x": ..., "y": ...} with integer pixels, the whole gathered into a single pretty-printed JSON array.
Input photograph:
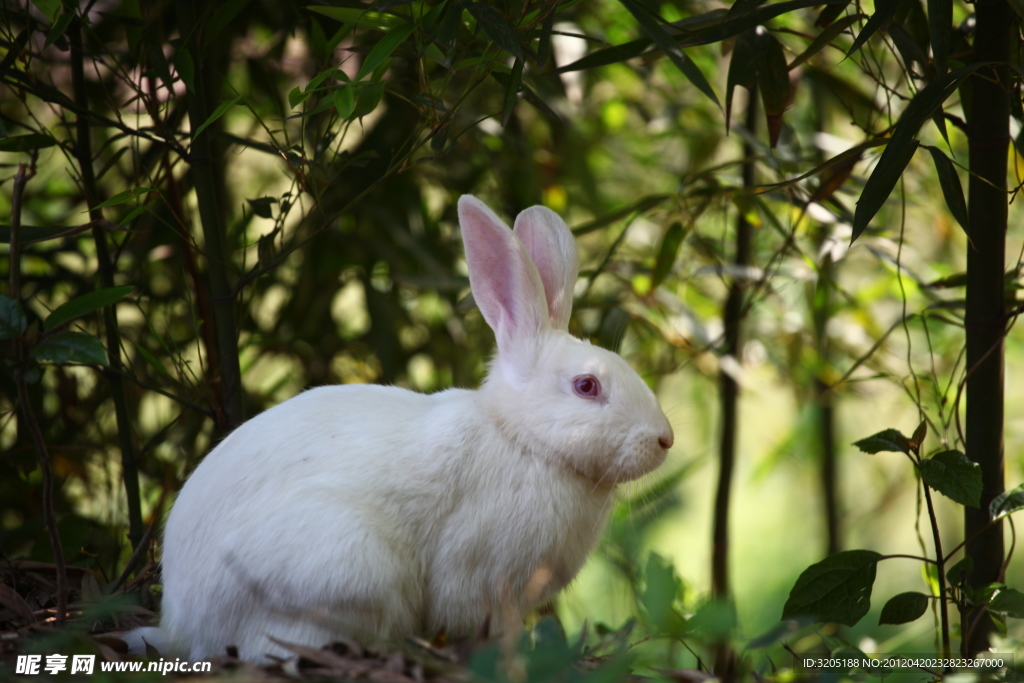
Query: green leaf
[
  {"x": 1008, "y": 601},
  {"x": 83, "y": 305},
  {"x": 26, "y": 143},
  {"x": 1007, "y": 502},
  {"x": 824, "y": 38},
  {"x": 497, "y": 28},
  {"x": 653, "y": 28},
  {"x": 888, "y": 440},
  {"x": 49, "y": 8},
  {"x": 369, "y": 97},
  {"x": 904, "y": 608},
  {"x": 222, "y": 16},
  {"x": 954, "y": 476},
  {"x": 512, "y": 91},
  {"x": 123, "y": 197},
  {"x": 58, "y": 28},
  {"x": 379, "y": 21},
  {"x": 132, "y": 215},
  {"x": 902, "y": 145},
  {"x": 884, "y": 9},
  {"x": 667, "y": 253},
  {"x": 296, "y": 97},
  {"x": 345, "y": 100},
  {"x": 221, "y": 109},
  {"x": 383, "y": 50},
  {"x": 12, "y": 318},
  {"x": 837, "y": 589},
  {"x": 715, "y": 620},
  {"x": 153, "y": 361},
  {"x": 772, "y": 81},
  {"x": 610, "y": 55},
  {"x": 960, "y": 571},
  {"x": 883, "y": 179},
  {"x": 742, "y": 70},
  {"x": 744, "y": 6},
  {"x": 182, "y": 61},
  {"x": 949, "y": 180},
  {"x": 661, "y": 587},
  {"x": 71, "y": 347}
]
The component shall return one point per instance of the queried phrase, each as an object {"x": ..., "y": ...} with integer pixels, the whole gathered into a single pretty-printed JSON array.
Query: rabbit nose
[{"x": 666, "y": 441}]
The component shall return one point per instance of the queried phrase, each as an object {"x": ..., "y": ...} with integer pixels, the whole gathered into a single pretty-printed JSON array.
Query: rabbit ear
[
  {"x": 504, "y": 280},
  {"x": 548, "y": 240}
]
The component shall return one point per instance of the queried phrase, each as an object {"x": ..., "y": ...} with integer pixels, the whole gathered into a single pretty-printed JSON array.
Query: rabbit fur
[{"x": 373, "y": 512}]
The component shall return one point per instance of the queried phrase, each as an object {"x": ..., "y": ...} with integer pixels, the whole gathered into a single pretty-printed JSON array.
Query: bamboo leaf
[
  {"x": 954, "y": 476},
  {"x": 772, "y": 81},
  {"x": 884, "y": 9},
  {"x": 837, "y": 589},
  {"x": 378, "y": 21},
  {"x": 742, "y": 70},
  {"x": 49, "y": 8},
  {"x": 653, "y": 28},
  {"x": 221, "y": 109},
  {"x": 12, "y": 318},
  {"x": 711, "y": 27},
  {"x": 544, "y": 44},
  {"x": 368, "y": 97},
  {"x": 949, "y": 181},
  {"x": 153, "y": 361},
  {"x": 512, "y": 91},
  {"x": 940, "y": 22},
  {"x": 902, "y": 146},
  {"x": 497, "y": 28},
  {"x": 830, "y": 33},
  {"x": 58, "y": 28},
  {"x": 904, "y": 608},
  {"x": 881, "y": 182},
  {"x": 83, "y": 305},
  {"x": 743, "y": 6},
  {"x": 70, "y": 347},
  {"x": 345, "y": 100},
  {"x": 123, "y": 197},
  {"x": 667, "y": 253},
  {"x": 383, "y": 50},
  {"x": 829, "y": 14},
  {"x": 26, "y": 143},
  {"x": 182, "y": 61}
]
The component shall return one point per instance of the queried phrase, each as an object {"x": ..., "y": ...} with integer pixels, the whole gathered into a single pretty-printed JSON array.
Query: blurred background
[{"x": 267, "y": 196}]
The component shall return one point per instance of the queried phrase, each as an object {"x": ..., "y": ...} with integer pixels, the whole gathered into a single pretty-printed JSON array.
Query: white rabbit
[{"x": 373, "y": 512}]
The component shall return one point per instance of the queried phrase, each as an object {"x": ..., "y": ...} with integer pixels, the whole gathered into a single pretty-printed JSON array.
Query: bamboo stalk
[
  {"x": 206, "y": 185},
  {"x": 732, "y": 316},
  {"x": 83, "y": 152},
  {"x": 985, "y": 317}
]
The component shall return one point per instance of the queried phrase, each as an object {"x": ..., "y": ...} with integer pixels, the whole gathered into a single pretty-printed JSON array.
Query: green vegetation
[{"x": 270, "y": 195}]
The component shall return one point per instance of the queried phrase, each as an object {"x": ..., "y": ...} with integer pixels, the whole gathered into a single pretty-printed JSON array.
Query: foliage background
[{"x": 333, "y": 185}]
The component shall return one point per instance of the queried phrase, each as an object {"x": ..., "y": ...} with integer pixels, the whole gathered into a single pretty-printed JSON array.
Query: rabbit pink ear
[
  {"x": 548, "y": 240},
  {"x": 504, "y": 280}
]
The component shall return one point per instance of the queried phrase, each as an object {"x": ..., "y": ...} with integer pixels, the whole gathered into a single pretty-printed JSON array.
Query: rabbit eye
[{"x": 586, "y": 386}]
